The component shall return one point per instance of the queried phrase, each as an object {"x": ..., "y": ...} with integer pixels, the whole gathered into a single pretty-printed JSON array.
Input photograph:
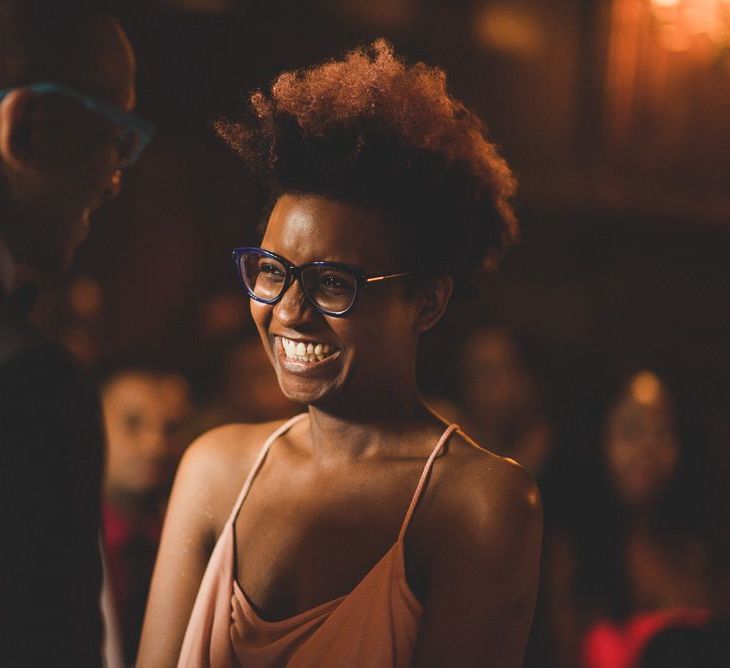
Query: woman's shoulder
[
  {"x": 479, "y": 488},
  {"x": 482, "y": 476},
  {"x": 480, "y": 530},
  {"x": 229, "y": 443},
  {"x": 217, "y": 463}
]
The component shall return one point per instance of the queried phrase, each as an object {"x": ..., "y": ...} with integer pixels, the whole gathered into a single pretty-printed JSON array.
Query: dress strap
[
  {"x": 260, "y": 460},
  {"x": 424, "y": 477}
]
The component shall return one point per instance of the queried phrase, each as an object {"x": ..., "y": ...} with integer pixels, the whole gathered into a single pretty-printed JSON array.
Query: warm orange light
[
  {"x": 646, "y": 388},
  {"x": 509, "y": 30},
  {"x": 673, "y": 39},
  {"x": 686, "y": 23}
]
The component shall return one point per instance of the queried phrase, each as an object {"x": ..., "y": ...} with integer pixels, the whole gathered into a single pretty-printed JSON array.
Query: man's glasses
[
  {"x": 330, "y": 287},
  {"x": 135, "y": 133}
]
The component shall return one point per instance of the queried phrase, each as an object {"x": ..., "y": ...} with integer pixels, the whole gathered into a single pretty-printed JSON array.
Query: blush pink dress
[{"x": 375, "y": 625}]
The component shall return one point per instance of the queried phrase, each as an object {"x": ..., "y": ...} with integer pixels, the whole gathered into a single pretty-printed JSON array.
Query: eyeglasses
[
  {"x": 330, "y": 287},
  {"x": 135, "y": 134}
]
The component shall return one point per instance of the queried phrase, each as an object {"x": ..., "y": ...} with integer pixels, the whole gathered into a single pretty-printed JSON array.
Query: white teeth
[{"x": 306, "y": 352}]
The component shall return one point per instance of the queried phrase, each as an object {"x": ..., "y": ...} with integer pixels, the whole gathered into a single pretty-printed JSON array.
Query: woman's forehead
[{"x": 306, "y": 228}]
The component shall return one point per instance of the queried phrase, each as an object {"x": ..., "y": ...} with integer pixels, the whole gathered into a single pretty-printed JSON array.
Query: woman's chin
[
  {"x": 305, "y": 390},
  {"x": 308, "y": 382}
]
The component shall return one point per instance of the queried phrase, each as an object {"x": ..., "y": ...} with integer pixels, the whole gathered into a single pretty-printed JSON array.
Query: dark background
[{"x": 621, "y": 145}]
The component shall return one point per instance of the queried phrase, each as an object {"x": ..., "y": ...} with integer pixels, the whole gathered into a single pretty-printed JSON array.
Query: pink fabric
[
  {"x": 619, "y": 645},
  {"x": 375, "y": 625}
]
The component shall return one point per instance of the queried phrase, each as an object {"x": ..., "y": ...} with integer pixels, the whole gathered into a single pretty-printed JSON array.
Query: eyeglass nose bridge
[{"x": 294, "y": 274}]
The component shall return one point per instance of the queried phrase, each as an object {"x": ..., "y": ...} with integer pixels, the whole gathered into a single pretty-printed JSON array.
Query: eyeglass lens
[
  {"x": 126, "y": 139},
  {"x": 332, "y": 289}
]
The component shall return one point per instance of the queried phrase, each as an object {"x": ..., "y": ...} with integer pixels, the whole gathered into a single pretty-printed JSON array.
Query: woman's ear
[{"x": 432, "y": 299}]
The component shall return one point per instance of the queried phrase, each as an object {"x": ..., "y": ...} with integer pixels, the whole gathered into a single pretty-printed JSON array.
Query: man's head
[
  {"x": 59, "y": 158},
  {"x": 145, "y": 410}
]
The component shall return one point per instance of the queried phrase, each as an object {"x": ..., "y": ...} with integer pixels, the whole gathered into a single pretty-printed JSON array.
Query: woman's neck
[{"x": 364, "y": 431}]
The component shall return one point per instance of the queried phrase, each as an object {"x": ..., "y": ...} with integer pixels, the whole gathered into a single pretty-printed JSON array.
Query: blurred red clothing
[
  {"x": 610, "y": 644},
  {"x": 131, "y": 549}
]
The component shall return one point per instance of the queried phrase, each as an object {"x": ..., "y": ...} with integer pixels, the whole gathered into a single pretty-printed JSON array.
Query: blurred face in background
[
  {"x": 144, "y": 415},
  {"x": 250, "y": 384},
  {"x": 641, "y": 448},
  {"x": 495, "y": 383}
]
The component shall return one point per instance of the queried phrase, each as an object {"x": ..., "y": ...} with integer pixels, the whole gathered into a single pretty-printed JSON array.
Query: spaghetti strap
[
  {"x": 260, "y": 460},
  {"x": 424, "y": 477}
]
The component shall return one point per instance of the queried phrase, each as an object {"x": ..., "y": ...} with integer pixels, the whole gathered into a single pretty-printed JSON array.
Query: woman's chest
[{"x": 302, "y": 544}]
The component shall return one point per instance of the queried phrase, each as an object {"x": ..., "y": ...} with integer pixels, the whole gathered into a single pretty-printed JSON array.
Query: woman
[
  {"x": 639, "y": 561},
  {"x": 364, "y": 532}
]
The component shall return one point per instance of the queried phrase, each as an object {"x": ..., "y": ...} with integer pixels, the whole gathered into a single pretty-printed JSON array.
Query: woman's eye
[
  {"x": 271, "y": 270},
  {"x": 334, "y": 282}
]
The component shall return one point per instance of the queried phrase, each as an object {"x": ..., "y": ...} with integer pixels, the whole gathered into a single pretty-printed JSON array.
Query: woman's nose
[{"x": 293, "y": 307}]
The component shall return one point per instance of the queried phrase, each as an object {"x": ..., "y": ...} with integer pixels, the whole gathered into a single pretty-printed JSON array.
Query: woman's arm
[
  {"x": 206, "y": 486},
  {"x": 187, "y": 541},
  {"x": 482, "y": 570}
]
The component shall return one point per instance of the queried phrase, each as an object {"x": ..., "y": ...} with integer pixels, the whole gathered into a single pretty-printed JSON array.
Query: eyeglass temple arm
[{"x": 373, "y": 279}]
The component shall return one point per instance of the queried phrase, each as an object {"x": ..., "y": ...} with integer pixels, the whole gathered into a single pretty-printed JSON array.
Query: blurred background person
[
  {"x": 146, "y": 406},
  {"x": 501, "y": 398},
  {"x": 71, "y": 311},
  {"x": 245, "y": 388},
  {"x": 234, "y": 378},
  {"x": 66, "y": 133},
  {"x": 638, "y": 557}
]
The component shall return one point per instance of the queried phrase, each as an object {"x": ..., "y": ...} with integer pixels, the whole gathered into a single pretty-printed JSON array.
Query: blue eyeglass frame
[
  {"x": 143, "y": 128},
  {"x": 294, "y": 272}
]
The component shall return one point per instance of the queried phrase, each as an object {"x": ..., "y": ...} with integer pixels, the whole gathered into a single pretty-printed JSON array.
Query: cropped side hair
[{"x": 374, "y": 131}]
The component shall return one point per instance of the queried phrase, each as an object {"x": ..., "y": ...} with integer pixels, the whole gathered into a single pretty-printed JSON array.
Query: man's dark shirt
[{"x": 51, "y": 452}]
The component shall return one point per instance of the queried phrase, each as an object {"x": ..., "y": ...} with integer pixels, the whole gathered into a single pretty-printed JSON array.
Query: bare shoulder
[
  {"x": 490, "y": 480},
  {"x": 477, "y": 489},
  {"x": 226, "y": 450},
  {"x": 215, "y": 466}
]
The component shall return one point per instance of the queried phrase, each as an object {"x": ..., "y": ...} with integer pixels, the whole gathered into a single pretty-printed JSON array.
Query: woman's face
[
  {"x": 641, "y": 447},
  {"x": 370, "y": 353}
]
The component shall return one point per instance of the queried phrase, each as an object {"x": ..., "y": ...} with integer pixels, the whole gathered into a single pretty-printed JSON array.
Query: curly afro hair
[{"x": 376, "y": 132}]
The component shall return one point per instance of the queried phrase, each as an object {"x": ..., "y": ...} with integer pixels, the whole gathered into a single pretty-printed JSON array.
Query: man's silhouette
[{"x": 66, "y": 134}]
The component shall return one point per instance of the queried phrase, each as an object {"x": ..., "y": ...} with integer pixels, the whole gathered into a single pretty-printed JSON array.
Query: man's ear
[
  {"x": 17, "y": 132},
  {"x": 433, "y": 298}
]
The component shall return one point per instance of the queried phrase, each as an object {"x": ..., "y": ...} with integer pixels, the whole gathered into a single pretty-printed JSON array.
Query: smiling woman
[{"x": 366, "y": 531}]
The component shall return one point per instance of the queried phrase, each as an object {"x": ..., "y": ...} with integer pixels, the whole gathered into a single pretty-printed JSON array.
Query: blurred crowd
[{"x": 635, "y": 549}]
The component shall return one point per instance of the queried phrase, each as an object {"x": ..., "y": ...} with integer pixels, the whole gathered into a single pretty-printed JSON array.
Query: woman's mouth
[{"x": 303, "y": 355}]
